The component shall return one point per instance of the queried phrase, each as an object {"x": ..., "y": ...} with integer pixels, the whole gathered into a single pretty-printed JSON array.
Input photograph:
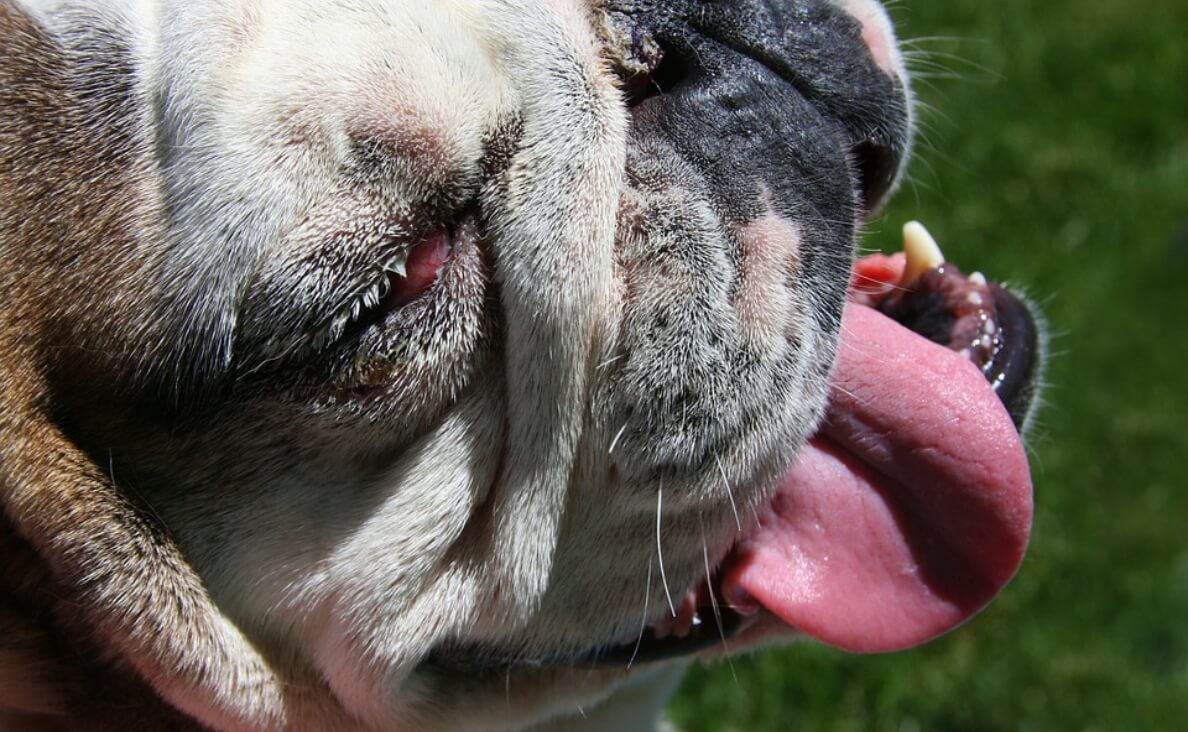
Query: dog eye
[
  {"x": 402, "y": 278},
  {"x": 333, "y": 279}
]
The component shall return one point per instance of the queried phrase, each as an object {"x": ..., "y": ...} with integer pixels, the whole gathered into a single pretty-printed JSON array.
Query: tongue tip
[
  {"x": 875, "y": 615},
  {"x": 881, "y": 549}
]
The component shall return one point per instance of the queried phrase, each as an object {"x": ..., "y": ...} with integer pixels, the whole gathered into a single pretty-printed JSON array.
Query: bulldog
[{"x": 464, "y": 364}]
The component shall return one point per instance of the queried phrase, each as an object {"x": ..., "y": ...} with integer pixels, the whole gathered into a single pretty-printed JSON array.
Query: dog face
[{"x": 399, "y": 357}]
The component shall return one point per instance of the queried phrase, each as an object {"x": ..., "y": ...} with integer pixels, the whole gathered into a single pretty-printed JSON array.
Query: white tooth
[
  {"x": 974, "y": 298},
  {"x": 978, "y": 279},
  {"x": 922, "y": 251}
]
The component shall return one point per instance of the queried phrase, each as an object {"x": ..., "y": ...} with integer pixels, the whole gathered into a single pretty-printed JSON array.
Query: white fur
[{"x": 344, "y": 577}]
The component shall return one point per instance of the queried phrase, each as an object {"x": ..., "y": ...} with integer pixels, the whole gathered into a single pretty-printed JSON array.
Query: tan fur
[
  {"x": 137, "y": 594},
  {"x": 184, "y": 547}
]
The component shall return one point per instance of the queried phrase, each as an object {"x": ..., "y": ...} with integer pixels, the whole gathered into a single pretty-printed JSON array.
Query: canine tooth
[
  {"x": 978, "y": 279},
  {"x": 922, "y": 251}
]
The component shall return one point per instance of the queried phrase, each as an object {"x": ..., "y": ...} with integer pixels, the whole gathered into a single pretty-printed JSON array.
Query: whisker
[
  {"x": 710, "y": 586},
  {"x": 714, "y": 604},
  {"x": 615, "y": 441},
  {"x": 610, "y": 361},
  {"x": 643, "y": 621},
  {"x": 660, "y": 551},
  {"x": 729, "y": 493}
]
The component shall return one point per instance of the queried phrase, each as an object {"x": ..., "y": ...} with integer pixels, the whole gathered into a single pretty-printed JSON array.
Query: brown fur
[
  {"x": 98, "y": 569},
  {"x": 117, "y": 323}
]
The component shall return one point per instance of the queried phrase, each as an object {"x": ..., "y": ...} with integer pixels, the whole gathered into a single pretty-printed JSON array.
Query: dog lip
[
  {"x": 718, "y": 625},
  {"x": 1015, "y": 370}
]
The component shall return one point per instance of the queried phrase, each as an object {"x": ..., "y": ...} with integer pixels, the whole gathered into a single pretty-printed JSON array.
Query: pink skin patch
[
  {"x": 875, "y": 276},
  {"x": 771, "y": 252},
  {"x": 424, "y": 265}
]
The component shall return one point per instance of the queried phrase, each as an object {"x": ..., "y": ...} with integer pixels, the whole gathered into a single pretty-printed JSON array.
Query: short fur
[{"x": 236, "y": 496}]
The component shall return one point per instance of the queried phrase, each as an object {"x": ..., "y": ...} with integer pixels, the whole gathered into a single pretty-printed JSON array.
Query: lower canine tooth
[{"x": 922, "y": 251}]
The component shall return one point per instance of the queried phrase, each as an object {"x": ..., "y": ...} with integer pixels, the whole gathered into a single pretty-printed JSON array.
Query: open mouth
[{"x": 911, "y": 508}]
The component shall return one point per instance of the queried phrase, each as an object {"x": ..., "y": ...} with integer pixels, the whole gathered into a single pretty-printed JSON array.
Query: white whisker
[
  {"x": 729, "y": 493},
  {"x": 615, "y": 441},
  {"x": 714, "y": 603},
  {"x": 643, "y": 621},
  {"x": 660, "y": 551}
]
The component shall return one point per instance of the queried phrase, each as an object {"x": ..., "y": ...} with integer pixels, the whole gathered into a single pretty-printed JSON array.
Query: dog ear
[
  {"x": 122, "y": 572},
  {"x": 62, "y": 239}
]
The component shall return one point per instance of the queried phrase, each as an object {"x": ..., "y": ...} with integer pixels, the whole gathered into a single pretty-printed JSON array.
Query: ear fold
[
  {"x": 117, "y": 567},
  {"x": 125, "y": 575}
]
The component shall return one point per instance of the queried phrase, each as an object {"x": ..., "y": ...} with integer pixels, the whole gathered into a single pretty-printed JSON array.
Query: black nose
[{"x": 770, "y": 75}]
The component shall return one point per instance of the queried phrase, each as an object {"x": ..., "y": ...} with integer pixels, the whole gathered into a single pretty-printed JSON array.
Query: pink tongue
[{"x": 907, "y": 513}]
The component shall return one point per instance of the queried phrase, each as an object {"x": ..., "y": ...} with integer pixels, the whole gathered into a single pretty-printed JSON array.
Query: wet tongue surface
[{"x": 909, "y": 510}]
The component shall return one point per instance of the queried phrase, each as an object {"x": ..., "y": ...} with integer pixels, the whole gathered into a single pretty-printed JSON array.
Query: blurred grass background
[{"x": 1056, "y": 158}]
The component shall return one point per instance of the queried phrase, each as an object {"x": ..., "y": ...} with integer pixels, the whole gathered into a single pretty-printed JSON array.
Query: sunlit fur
[{"x": 189, "y": 187}]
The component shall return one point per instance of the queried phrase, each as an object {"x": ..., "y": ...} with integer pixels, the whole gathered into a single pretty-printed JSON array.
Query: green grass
[{"x": 1058, "y": 160}]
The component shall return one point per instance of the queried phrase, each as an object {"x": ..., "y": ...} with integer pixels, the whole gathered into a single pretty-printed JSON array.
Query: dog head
[{"x": 371, "y": 362}]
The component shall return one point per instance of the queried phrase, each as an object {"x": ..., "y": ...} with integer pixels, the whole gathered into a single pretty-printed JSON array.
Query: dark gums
[{"x": 1014, "y": 370}]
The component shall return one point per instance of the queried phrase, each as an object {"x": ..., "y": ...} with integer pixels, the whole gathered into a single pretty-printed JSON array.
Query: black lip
[
  {"x": 718, "y": 625},
  {"x": 1015, "y": 370},
  {"x": 1012, "y": 360}
]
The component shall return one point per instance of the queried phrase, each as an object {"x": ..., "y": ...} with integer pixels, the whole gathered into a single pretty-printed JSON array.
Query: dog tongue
[{"x": 908, "y": 511}]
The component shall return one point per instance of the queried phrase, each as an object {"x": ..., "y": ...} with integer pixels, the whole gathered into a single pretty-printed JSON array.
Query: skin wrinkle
[{"x": 440, "y": 478}]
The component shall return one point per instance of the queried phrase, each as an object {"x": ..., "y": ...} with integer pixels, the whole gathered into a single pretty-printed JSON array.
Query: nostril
[
  {"x": 876, "y": 164},
  {"x": 672, "y": 71},
  {"x": 669, "y": 72}
]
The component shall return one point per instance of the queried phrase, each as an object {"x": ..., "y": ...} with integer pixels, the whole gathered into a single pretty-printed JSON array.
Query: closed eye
[{"x": 400, "y": 280}]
